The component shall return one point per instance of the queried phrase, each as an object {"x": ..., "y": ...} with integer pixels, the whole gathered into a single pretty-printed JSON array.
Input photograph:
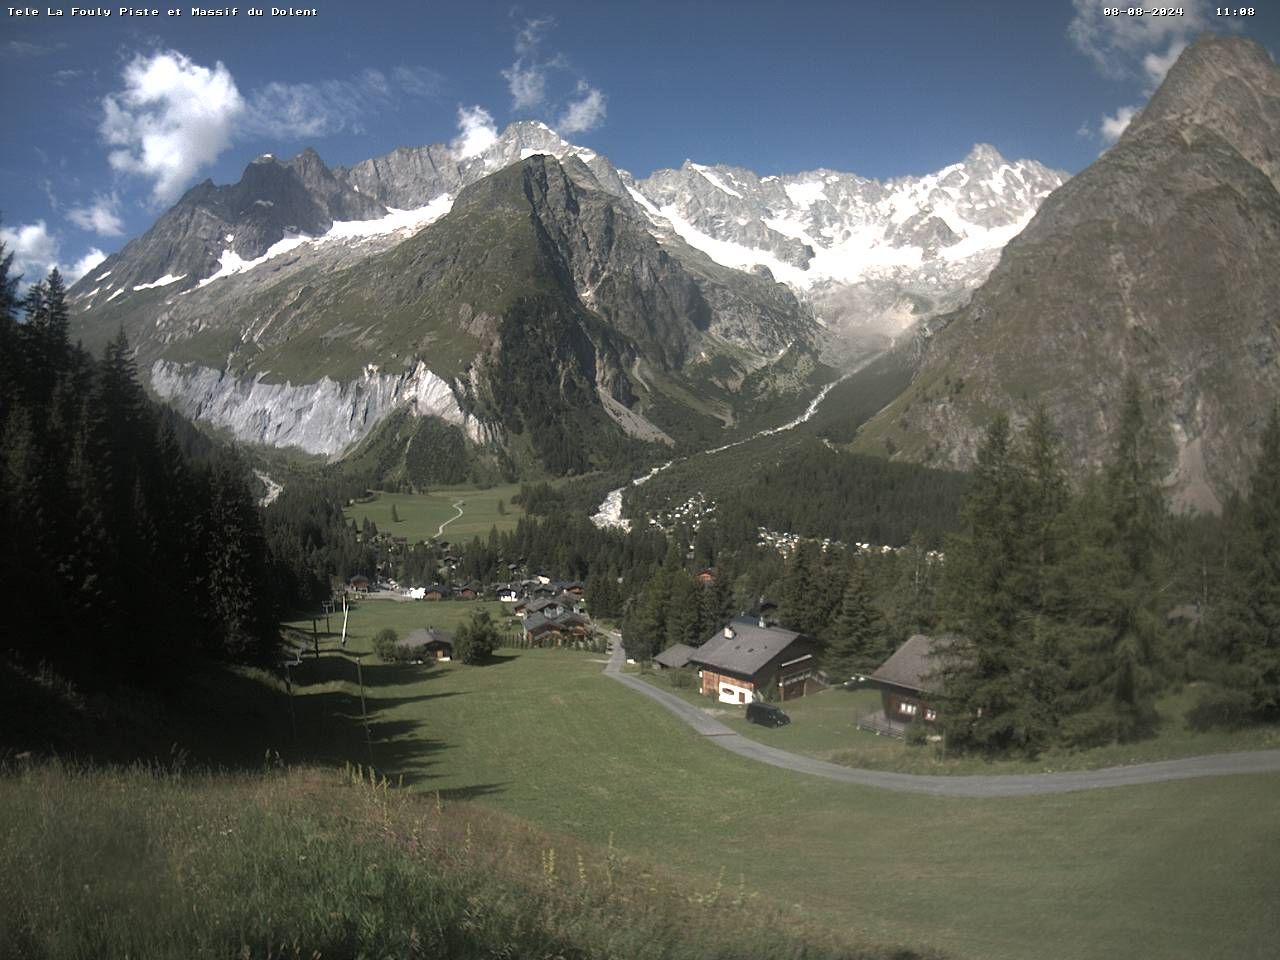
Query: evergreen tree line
[
  {"x": 1056, "y": 600},
  {"x": 134, "y": 546}
]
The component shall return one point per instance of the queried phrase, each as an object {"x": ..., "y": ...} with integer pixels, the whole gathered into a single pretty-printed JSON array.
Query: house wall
[
  {"x": 716, "y": 684},
  {"x": 904, "y": 707}
]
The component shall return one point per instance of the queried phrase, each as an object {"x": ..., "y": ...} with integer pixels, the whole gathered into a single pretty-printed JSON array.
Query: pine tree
[
  {"x": 395, "y": 516},
  {"x": 989, "y": 690},
  {"x": 856, "y": 639},
  {"x": 1246, "y": 634},
  {"x": 1121, "y": 530}
]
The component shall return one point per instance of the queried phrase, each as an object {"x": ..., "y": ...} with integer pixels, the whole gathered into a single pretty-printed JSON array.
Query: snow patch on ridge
[
  {"x": 710, "y": 176},
  {"x": 396, "y": 221},
  {"x": 164, "y": 281}
]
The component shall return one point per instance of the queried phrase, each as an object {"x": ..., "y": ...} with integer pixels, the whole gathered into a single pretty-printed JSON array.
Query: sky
[{"x": 108, "y": 119}]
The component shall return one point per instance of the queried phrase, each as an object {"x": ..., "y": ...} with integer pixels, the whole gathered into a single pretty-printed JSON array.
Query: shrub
[
  {"x": 385, "y": 644},
  {"x": 917, "y": 733},
  {"x": 1220, "y": 707}
]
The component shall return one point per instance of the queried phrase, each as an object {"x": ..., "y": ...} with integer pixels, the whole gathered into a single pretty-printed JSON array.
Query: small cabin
[
  {"x": 428, "y": 644},
  {"x": 359, "y": 583},
  {"x": 909, "y": 682}
]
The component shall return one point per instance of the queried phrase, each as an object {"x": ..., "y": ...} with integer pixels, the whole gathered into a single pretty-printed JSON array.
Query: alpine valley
[
  {"x": 555, "y": 311},
  {"x": 532, "y": 310}
]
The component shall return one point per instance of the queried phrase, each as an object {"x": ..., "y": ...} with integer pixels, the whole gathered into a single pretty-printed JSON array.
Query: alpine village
[{"x": 449, "y": 556}]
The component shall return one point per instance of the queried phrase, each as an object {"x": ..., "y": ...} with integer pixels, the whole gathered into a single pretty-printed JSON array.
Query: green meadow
[
  {"x": 422, "y": 514},
  {"x": 1175, "y": 870}
]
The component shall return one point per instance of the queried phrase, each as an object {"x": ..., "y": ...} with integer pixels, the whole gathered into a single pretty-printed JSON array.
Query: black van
[{"x": 766, "y": 714}]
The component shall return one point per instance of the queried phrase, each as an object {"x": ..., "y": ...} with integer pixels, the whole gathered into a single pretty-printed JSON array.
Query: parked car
[{"x": 766, "y": 714}]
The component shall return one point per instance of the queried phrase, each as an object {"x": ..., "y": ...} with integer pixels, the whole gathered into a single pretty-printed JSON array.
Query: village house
[
  {"x": 544, "y": 630},
  {"x": 748, "y": 656},
  {"x": 706, "y": 576},
  {"x": 428, "y": 644},
  {"x": 674, "y": 657},
  {"x": 359, "y": 583},
  {"x": 908, "y": 680},
  {"x": 435, "y": 591}
]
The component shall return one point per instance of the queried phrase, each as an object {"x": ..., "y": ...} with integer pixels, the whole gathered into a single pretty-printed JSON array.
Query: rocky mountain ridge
[
  {"x": 1161, "y": 260},
  {"x": 302, "y": 296}
]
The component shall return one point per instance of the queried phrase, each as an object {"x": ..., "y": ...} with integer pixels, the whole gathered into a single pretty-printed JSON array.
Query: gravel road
[{"x": 999, "y": 785}]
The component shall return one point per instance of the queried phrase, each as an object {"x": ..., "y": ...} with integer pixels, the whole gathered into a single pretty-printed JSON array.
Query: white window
[
  {"x": 931, "y": 715},
  {"x": 907, "y": 709}
]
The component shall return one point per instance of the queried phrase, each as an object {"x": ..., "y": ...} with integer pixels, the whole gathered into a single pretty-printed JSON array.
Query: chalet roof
[
  {"x": 538, "y": 622},
  {"x": 675, "y": 656},
  {"x": 913, "y": 665},
  {"x": 749, "y": 649},
  {"x": 425, "y": 636}
]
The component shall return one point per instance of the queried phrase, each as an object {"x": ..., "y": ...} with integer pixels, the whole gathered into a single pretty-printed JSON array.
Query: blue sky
[{"x": 108, "y": 120}]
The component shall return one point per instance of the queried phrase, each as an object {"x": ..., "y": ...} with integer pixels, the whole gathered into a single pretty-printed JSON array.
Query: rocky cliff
[{"x": 1161, "y": 259}]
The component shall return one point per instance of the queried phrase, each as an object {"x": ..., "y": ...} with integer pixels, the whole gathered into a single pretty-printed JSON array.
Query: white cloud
[
  {"x": 585, "y": 113},
  {"x": 305, "y": 110},
  {"x": 35, "y": 253},
  {"x": 102, "y": 216},
  {"x": 172, "y": 118},
  {"x": 84, "y": 265},
  {"x": 476, "y": 132},
  {"x": 34, "y": 249},
  {"x": 527, "y": 76},
  {"x": 527, "y": 82},
  {"x": 1112, "y": 127},
  {"x": 1156, "y": 65},
  {"x": 1124, "y": 46}
]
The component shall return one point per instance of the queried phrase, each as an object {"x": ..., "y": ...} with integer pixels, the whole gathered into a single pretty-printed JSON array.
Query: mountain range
[
  {"x": 559, "y": 314},
  {"x": 302, "y": 305}
]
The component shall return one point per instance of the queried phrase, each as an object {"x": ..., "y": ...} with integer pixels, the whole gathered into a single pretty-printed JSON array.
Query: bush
[
  {"x": 385, "y": 644},
  {"x": 1220, "y": 707},
  {"x": 682, "y": 679},
  {"x": 917, "y": 733},
  {"x": 476, "y": 640}
]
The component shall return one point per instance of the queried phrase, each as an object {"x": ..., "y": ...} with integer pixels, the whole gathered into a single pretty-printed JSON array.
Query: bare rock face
[
  {"x": 325, "y": 417},
  {"x": 1161, "y": 259}
]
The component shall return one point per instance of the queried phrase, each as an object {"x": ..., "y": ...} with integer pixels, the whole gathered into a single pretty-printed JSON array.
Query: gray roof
[
  {"x": 540, "y": 621},
  {"x": 914, "y": 665},
  {"x": 421, "y": 637},
  {"x": 675, "y": 656},
  {"x": 749, "y": 649}
]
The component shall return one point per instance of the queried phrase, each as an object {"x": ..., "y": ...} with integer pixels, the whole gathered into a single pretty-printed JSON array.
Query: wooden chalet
[
  {"x": 542, "y": 629},
  {"x": 747, "y": 656},
  {"x": 359, "y": 583},
  {"x": 706, "y": 576},
  {"x": 428, "y": 644},
  {"x": 674, "y": 657},
  {"x": 908, "y": 680},
  {"x": 435, "y": 591}
]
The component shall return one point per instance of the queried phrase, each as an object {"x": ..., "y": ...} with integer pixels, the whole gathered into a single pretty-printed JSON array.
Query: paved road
[{"x": 1000, "y": 785}]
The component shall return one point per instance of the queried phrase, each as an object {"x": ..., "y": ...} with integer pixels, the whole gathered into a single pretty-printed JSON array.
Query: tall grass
[{"x": 157, "y": 862}]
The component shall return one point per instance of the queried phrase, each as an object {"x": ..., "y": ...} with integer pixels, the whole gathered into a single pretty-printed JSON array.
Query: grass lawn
[
  {"x": 822, "y": 727},
  {"x": 421, "y": 514},
  {"x": 1174, "y": 870}
]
